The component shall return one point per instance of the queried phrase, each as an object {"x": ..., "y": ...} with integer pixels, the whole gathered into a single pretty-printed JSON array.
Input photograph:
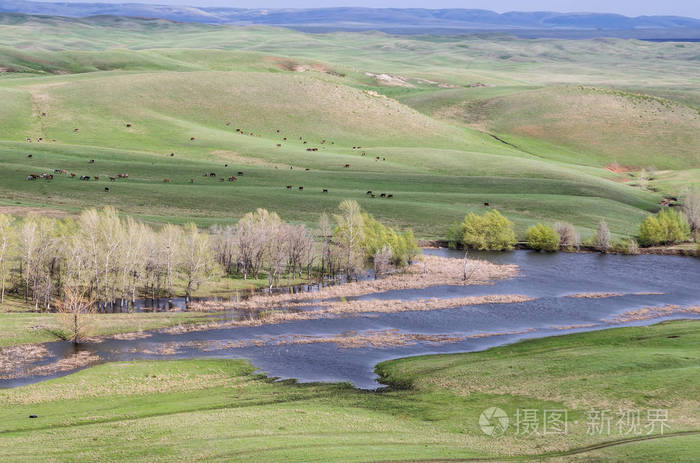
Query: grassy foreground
[{"x": 220, "y": 410}]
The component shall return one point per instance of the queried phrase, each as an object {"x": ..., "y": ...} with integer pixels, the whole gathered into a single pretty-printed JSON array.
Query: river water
[{"x": 548, "y": 278}]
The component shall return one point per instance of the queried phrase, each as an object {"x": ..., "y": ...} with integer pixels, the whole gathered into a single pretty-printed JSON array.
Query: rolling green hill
[{"x": 529, "y": 127}]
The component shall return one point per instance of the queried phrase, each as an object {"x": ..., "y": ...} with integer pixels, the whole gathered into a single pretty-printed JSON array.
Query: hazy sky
[{"x": 626, "y": 7}]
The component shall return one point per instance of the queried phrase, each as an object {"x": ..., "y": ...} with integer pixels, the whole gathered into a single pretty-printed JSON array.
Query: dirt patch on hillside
[
  {"x": 294, "y": 66},
  {"x": 620, "y": 169},
  {"x": 390, "y": 80},
  {"x": 240, "y": 159}
]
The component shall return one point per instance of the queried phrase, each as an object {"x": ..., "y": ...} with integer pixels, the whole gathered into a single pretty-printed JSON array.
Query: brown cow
[
  {"x": 373, "y": 196},
  {"x": 166, "y": 180},
  {"x": 112, "y": 179},
  {"x": 307, "y": 169},
  {"x": 232, "y": 179},
  {"x": 191, "y": 180},
  {"x": 278, "y": 145},
  {"x": 72, "y": 174},
  {"x": 347, "y": 165},
  {"x": 191, "y": 138},
  {"x": 128, "y": 125},
  {"x": 389, "y": 196},
  {"x": 96, "y": 178}
]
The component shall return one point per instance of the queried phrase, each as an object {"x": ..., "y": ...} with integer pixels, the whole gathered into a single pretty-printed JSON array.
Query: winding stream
[{"x": 301, "y": 349}]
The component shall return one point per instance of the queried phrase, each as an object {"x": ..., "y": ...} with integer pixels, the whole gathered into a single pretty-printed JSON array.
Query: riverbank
[
  {"x": 169, "y": 410},
  {"x": 684, "y": 249}
]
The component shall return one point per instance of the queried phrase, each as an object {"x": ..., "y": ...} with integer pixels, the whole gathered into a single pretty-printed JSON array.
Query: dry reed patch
[
  {"x": 77, "y": 360},
  {"x": 594, "y": 295},
  {"x": 428, "y": 271},
  {"x": 649, "y": 313},
  {"x": 347, "y": 340},
  {"x": 12, "y": 358},
  {"x": 354, "y": 307},
  {"x": 606, "y": 295},
  {"x": 573, "y": 327},
  {"x": 129, "y": 336},
  {"x": 397, "y": 305}
]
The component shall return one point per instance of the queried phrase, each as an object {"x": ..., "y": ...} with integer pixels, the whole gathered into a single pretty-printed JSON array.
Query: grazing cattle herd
[{"x": 47, "y": 176}]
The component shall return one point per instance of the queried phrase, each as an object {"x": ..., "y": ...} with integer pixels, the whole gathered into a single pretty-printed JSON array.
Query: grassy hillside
[
  {"x": 213, "y": 410},
  {"x": 526, "y": 126}
]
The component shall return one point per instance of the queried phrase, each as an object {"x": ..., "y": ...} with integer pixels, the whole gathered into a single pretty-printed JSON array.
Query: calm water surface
[{"x": 548, "y": 278}]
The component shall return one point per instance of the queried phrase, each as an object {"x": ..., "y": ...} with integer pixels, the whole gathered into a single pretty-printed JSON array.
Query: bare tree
[
  {"x": 7, "y": 245},
  {"x": 325, "y": 234},
  {"x": 348, "y": 236},
  {"x": 382, "y": 260},
  {"x": 276, "y": 251},
  {"x": 170, "y": 246},
  {"x": 691, "y": 208},
  {"x": 603, "y": 238},
  {"x": 197, "y": 263},
  {"x": 569, "y": 237},
  {"x": 223, "y": 243},
  {"x": 75, "y": 313}
]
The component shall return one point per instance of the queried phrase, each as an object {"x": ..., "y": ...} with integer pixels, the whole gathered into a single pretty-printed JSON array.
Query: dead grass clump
[
  {"x": 649, "y": 313},
  {"x": 75, "y": 361},
  {"x": 428, "y": 271},
  {"x": 594, "y": 295},
  {"x": 12, "y": 358},
  {"x": 573, "y": 327}
]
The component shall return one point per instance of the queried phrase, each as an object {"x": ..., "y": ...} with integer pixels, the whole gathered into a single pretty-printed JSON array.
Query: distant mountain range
[{"x": 393, "y": 20}]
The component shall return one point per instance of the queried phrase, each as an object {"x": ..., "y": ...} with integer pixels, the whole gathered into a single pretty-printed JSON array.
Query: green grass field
[
  {"x": 527, "y": 126},
  {"x": 221, "y": 410}
]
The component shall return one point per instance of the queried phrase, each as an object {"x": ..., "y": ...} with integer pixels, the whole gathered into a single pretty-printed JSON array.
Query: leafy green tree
[
  {"x": 542, "y": 238},
  {"x": 666, "y": 227},
  {"x": 489, "y": 232}
]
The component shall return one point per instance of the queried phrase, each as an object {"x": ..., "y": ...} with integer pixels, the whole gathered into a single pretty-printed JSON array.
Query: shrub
[
  {"x": 377, "y": 237},
  {"x": 488, "y": 232},
  {"x": 602, "y": 240},
  {"x": 666, "y": 227},
  {"x": 627, "y": 246},
  {"x": 542, "y": 238},
  {"x": 568, "y": 237}
]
